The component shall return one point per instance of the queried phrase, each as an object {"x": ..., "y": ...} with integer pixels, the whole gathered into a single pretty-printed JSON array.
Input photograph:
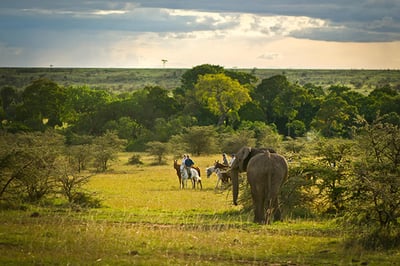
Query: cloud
[
  {"x": 269, "y": 56},
  {"x": 370, "y": 20},
  {"x": 139, "y": 33}
]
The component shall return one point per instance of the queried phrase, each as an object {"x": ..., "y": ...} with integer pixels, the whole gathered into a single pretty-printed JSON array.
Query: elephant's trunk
[{"x": 235, "y": 186}]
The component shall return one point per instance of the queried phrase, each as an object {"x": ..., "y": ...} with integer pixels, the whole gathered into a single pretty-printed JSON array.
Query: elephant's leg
[
  {"x": 277, "y": 210},
  {"x": 258, "y": 196},
  {"x": 269, "y": 210}
]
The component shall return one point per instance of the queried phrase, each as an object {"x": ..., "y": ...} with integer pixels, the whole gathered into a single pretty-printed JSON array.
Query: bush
[
  {"x": 135, "y": 159},
  {"x": 86, "y": 200}
]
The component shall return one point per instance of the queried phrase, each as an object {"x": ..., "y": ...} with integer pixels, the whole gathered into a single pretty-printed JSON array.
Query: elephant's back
[{"x": 268, "y": 162}]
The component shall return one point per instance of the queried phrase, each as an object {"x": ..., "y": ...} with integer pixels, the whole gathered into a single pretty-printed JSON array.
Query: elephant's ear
[
  {"x": 246, "y": 152},
  {"x": 244, "y": 160}
]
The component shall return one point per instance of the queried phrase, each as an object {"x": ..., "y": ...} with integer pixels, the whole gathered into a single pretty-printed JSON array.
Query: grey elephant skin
[{"x": 266, "y": 172}]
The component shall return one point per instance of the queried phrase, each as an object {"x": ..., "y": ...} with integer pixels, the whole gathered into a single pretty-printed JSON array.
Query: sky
[{"x": 299, "y": 34}]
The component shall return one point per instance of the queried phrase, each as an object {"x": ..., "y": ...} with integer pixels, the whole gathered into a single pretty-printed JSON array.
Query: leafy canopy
[{"x": 221, "y": 94}]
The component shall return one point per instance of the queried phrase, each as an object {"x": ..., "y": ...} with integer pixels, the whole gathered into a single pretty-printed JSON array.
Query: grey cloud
[{"x": 356, "y": 20}]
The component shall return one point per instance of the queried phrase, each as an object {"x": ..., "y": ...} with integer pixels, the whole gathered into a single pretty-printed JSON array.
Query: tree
[
  {"x": 252, "y": 111},
  {"x": 266, "y": 92},
  {"x": 232, "y": 142},
  {"x": 332, "y": 170},
  {"x": 28, "y": 168},
  {"x": 9, "y": 99},
  {"x": 105, "y": 149},
  {"x": 383, "y": 100},
  {"x": 289, "y": 106},
  {"x": 158, "y": 150},
  {"x": 197, "y": 139},
  {"x": 42, "y": 104},
  {"x": 190, "y": 77},
  {"x": 222, "y": 95},
  {"x": 287, "y": 103},
  {"x": 373, "y": 206},
  {"x": 265, "y": 135},
  {"x": 71, "y": 182},
  {"x": 82, "y": 102},
  {"x": 334, "y": 117}
]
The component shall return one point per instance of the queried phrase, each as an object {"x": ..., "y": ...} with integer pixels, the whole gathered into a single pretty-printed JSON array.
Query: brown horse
[
  {"x": 196, "y": 180},
  {"x": 177, "y": 167}
]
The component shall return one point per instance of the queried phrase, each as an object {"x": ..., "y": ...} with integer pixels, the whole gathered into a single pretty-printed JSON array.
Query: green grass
[{"x": 148, "y": 220}]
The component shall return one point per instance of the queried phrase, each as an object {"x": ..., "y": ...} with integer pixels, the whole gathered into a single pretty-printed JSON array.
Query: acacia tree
[
  {"x": 105, "y": 149},
  {"x": 374, "y": 191},
  {"x": 196, "y": 140},
  {"x": 158, "y": 150},
  {"x": 28, "y": 165},
  {"x": 222, "y": 95}
]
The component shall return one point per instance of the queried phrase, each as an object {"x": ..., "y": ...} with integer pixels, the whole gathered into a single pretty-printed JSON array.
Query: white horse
[
  {"x": 195, "y": 177},
  {"x": 212, "y": 169}
]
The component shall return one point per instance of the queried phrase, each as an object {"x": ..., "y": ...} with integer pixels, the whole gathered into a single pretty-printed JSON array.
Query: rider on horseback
[{"x": 188, "y": 165}]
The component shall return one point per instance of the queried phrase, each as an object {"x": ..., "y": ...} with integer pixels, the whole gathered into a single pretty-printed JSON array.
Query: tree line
[{"x": 209, "y": 95}]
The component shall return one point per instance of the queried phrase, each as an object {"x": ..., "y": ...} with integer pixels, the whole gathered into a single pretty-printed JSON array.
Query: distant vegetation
[{"x": 127, "y": 80}]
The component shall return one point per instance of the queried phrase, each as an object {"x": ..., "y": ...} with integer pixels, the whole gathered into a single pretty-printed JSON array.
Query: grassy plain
[
  {"x": 147, "y": 220},
  {"x": 126, "y": 80}
]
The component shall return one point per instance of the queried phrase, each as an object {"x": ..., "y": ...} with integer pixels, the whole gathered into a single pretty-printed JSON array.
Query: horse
[
  {"x": 221, "y": 171},
  {"x": 195, "y": 177},
  {"x": 177, "y": 167},
  {"x": 225, "y": 177}
]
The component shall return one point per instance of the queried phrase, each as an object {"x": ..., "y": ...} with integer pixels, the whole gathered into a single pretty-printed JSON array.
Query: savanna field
[{"x": 146, "y": 219}]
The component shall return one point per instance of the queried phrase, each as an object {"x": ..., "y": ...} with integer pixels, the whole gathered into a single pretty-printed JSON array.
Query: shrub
[{"x": 135, "y": 159}]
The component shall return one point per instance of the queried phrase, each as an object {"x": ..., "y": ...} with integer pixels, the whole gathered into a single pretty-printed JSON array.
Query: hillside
[{"x": 124, "y": 80}]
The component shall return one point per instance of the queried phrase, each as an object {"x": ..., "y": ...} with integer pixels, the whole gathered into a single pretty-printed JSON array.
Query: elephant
[{"x": 266, "y": 172}]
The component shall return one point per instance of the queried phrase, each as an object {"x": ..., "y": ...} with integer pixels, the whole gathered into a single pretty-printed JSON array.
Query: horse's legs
[{"x": 218, "y": 179}]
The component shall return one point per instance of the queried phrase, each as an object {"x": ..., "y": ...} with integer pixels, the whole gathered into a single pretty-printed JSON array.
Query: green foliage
[
  {"x": 105, "y": 149},
  {"x": 373, "y": 207},
  {"x": 42, "y": 105},
  {"x": 158, "y": 150},
  {"x": 332, "y": 116},
  {"x": 331, "y": 173},
  {"x": 297, "y": 196},
  {"x": 265, "y": 135},
  {"x": 221, "y": 94},
  {"x": 35, "y": 166},
  {"x": 135, "y": 159},
  {"x": 198, "y": 140},
  {"x": 71, "y": 182},
  {"x": 79, "y": 156},
  {"x": 190, "y": 77},
  {"x": 231, "y": 142}
]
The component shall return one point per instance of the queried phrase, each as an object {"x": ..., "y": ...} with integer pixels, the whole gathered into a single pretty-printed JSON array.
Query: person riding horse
[{"x": 188, "y": 165}]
